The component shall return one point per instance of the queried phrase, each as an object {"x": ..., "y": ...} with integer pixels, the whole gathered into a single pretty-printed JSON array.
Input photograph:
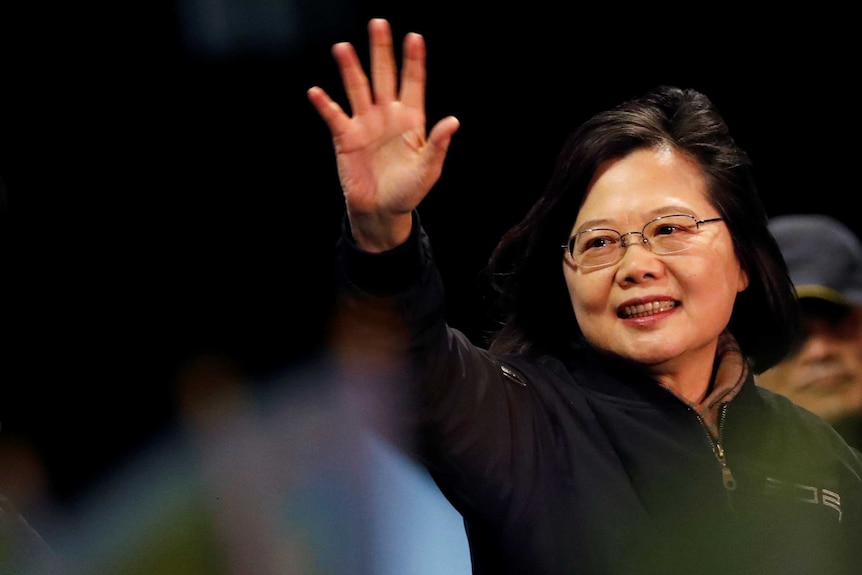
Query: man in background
[{"x": 824, "y": 375}]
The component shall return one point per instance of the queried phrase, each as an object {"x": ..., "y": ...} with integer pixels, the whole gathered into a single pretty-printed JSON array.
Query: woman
[{"x": 612, "y": 425}]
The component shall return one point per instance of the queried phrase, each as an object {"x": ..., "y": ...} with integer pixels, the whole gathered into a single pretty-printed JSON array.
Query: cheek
[
  {"x": 725, "y": 276},
  {"x": 778, "y": 378},
  {"x": 716, "y": 285},
  {"x": 719, "y": 298},
  {"x": 587, "y": 293}
]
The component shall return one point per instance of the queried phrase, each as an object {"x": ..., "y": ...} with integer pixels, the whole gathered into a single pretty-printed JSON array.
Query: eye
[
  {"x": 597, "y": 240},
  {"x": 671, "y": 226},
  {"x": 668, "y": 229}
]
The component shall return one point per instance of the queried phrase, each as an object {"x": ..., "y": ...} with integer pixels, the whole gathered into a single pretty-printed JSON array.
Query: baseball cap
[{"x": 824, "y": 257}]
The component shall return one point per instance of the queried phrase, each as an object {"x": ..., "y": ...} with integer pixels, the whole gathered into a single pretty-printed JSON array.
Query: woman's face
[{"x": 657, "y": 310}]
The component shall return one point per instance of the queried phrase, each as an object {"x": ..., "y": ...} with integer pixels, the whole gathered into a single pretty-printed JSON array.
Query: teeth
[{"x": 643, "y": 310}]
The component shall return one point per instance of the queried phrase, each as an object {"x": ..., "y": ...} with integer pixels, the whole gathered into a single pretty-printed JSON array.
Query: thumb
[
  {"x": 438, "y": 144},
  {"x": 442, "y": 132}
]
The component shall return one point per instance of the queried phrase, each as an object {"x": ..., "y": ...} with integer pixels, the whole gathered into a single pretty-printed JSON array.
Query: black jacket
[{"x": 572, "y": 466}]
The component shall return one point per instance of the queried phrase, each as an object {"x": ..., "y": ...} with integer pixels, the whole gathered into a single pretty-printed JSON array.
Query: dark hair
[{"x": 525, "y": 269}]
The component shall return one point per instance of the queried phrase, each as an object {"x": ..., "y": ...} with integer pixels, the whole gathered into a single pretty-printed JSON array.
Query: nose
[
  {"x": 636, "y": 265},
  {"x": 626, "y": 242}
]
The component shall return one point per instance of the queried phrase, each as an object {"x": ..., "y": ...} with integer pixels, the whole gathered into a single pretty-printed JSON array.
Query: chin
[
  {"x": 651, "y": 352},
  {"x": 645, "y": 358}
]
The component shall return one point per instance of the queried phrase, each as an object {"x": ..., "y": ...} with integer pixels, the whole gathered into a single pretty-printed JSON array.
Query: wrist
[{"x": 375, "y": 232}]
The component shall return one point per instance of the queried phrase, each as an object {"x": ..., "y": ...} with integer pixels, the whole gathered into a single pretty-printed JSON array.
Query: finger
[
  {"x": 329, "y": 110},
  {"x": 413, "y": 73},
  {"x": 441, "y": 136},
  {"x": 383, "y": 74},
  {"x": 434, "y": 153},
  {"x": 353, "y": 77}
]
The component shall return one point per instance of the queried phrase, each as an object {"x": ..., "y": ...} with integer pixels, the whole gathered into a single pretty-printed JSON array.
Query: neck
[{"x": 689, "y": 376}]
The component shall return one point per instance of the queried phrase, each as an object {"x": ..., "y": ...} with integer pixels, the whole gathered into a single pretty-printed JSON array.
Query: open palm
[{"x": 386, "y": 164}]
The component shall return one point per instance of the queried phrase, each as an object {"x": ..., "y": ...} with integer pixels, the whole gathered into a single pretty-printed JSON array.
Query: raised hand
[{"x": 386, "y": 164}]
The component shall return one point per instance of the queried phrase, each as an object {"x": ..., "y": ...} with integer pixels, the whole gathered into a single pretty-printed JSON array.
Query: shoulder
[
  {"x": 533, "y": 369},
  {"x": 782, "y": 406},
  {"x": 805, "y": 429},
  {"x": 781, "y": 410}
]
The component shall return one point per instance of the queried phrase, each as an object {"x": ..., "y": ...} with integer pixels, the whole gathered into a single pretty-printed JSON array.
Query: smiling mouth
[{"x": 646, "y": 309}]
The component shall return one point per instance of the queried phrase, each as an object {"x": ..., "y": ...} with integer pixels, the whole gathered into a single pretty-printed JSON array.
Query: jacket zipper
[{"x": 718, "y": 449}]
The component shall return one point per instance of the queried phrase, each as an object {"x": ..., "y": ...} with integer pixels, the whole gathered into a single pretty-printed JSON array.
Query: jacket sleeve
[{"x": 449, "y": 402}]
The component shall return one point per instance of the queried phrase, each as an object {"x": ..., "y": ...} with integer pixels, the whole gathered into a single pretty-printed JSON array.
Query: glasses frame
[{"x": 569, "y": 246}]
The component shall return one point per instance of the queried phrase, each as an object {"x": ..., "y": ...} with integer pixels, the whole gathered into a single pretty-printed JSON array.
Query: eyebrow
[{"x": 651, "y": 215}]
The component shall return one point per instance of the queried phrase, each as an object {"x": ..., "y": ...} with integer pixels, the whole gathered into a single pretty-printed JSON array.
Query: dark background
[{"x": 171, "y": 193}]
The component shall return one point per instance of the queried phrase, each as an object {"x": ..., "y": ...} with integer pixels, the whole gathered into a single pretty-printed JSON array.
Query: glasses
[{"x": 664, "y": 235}]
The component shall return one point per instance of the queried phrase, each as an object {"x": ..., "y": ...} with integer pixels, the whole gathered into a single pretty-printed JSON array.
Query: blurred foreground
[{"x": 286, "y": 479}]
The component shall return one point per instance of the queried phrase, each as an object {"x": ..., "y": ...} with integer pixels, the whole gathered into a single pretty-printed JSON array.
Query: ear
[{"x": 743, "y": 280}]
